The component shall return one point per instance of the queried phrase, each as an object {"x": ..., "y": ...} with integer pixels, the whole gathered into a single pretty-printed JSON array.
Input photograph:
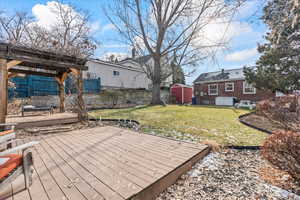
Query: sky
[{"x": 245, "y": 32}]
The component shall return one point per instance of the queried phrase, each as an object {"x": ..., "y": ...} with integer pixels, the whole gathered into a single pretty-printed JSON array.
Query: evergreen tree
[
  {"x": 178, "y": 74},
  {"x": 278, "y": 68}
]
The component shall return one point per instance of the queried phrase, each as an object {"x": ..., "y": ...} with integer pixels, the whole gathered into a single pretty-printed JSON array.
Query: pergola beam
[
  {"x": 29, "y": 72},
  {"x": 42, "y": 62},
  {"x": 12, "y": 75},
  {"x": 13, "y": 63},
  {"x": 40, "y": 57},
  {"x": 75, "y": 71}
]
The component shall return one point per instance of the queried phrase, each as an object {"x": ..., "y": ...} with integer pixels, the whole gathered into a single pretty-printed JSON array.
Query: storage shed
[{"x": 181, "y": 94}]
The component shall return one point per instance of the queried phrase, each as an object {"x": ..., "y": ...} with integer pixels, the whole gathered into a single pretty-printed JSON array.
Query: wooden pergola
[{"x": 16, "y": 60}]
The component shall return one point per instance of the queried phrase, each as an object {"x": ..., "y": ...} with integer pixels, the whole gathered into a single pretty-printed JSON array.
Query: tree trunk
[
  {"x": 82, "y": 113},
  {"x": 62, "y": 97},
  {"x": 156, "y": 83},
  {"x": 156, "y": 94}
]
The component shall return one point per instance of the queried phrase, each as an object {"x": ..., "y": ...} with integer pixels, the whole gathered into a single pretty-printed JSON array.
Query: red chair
[{"x": 14, "y": 160}]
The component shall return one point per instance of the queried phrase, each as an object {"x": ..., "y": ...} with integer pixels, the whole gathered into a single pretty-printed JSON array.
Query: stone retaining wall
[{"x": 113, "y": 98}]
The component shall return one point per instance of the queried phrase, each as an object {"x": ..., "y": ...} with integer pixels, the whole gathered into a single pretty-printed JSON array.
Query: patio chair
[{"x": 14, "y": 160}]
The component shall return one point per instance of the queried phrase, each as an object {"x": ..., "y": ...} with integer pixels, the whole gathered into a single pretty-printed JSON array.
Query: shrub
[
  {"x": 282, "y": 149},
  {"x": 112, "y": 97},
  {"x": 284, "y": 111},
  {"x": 213, "y": 145}
]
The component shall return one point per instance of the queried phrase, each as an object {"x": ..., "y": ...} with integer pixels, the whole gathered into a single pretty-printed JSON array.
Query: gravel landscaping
[{"x": 230, "y": 174}]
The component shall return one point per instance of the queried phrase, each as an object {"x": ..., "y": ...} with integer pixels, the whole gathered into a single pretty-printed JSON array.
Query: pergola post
[
  {"x": 61, "y": 82},
  {"x": 9, "y": 65},
  {"x": 82, "y": 114},
  {"x": 3, "y": 90},
  {"x": 62, "y": 97}
]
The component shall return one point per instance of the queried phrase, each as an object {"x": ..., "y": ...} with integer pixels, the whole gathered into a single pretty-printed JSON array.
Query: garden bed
[
  {"x": 232, "y": 174},
  {"x": 260, "y": 122},
  {"x": 56, "y": 129}
]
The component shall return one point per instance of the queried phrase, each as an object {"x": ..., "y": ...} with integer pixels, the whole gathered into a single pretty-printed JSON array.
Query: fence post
[
  {"x": 99, "y": 85},
  {"x": 29, "y": 84}
]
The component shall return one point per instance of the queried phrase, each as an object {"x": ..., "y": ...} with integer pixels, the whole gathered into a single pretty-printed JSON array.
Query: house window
[
  {"x": 213, "y": 89},
  {"x": 229, "y": 87},
  {"x": 116, "y": 73},
  {"x": 248, "y": 88}
]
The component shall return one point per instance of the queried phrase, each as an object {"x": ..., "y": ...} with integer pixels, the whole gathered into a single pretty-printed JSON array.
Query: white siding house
[
  {"x": 117, "y": 75},
  {"x": 140, "y": 62}
]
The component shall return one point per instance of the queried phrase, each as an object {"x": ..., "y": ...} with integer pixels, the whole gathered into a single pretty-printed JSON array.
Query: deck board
[
  {"x": 37, "y": 190},
  {"x": 117, "y": 166},
  {"x": 87, "y": 191},
  {"x": 106, "y": 163},
  {"x": 42, "y": 120},
  {"x": 118, "y": 182}
]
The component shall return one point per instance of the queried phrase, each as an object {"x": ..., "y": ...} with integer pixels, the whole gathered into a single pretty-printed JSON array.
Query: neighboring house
[
  {"x": 142, "y": 61},
  {"x": 116, "y": 75},
  {"x": 128, "y": 73},
  {"x": 219, "y": 88}
]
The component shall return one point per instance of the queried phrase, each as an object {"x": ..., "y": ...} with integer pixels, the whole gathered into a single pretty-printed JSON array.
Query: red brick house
[{"x": 220, "y": 88}]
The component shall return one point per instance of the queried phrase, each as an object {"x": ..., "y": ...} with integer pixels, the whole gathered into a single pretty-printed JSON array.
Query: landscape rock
[{"x": 227, "y": 175}]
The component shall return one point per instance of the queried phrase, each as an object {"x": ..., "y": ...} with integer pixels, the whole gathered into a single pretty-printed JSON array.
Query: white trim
[
  {"x": 115, "y": 65},
  {"x": 226, "y": 87},
  {"x": 214, "y": 94},
  {"x": 244, "y": 92},
  {"x": 181, "y": 85},
  {"x": 18, "y": 148},
  {"x": 6, "y": 137}
]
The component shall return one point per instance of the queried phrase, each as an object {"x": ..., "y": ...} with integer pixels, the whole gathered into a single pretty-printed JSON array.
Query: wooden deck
[
  {"x": 105, "y": 163},
  {"x": 42, "y": 119}
]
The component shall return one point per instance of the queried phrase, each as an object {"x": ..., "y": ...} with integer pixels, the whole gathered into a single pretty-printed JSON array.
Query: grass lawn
[{"x": 194, "y": 122}]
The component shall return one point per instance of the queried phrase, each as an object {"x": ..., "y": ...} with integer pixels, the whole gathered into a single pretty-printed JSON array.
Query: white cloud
[
  {"x": 114, "y": 46},
  {"x": 108, "y": 27},
  {"x": 44, "y": 14},
  {"x": 241, "y": 55},
  {"x": 221, "y": 32},
  {"x": 95, "y": 26},
  {"x": 118, "y": 55},
  {"x": 47, "y": 15}
]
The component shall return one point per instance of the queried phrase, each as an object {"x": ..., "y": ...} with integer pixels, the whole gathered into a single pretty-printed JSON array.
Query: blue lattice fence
[
  {"x": 41, "y": 86},
  {"x": 92, "y": 86}
]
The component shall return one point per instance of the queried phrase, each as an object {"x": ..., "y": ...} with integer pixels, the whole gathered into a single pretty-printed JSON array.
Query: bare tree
[
  {"x": 70, "y": 34},
  {"x": 13, "y": 27},
  {"x": 164, "y": 28}
]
